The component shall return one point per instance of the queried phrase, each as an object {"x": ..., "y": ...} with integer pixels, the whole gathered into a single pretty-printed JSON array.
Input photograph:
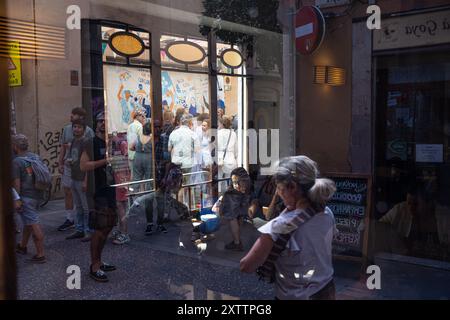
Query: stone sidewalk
[{"x": 165, "y": 256}]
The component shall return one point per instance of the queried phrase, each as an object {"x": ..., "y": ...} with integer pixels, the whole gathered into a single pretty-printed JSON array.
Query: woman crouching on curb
[{"x": 294, "y": 250}]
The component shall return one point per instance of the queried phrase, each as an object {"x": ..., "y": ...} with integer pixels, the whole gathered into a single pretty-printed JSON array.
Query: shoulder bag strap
[
  {"x": 226, "y": 147},
  {"x": 267, "y": 270}
]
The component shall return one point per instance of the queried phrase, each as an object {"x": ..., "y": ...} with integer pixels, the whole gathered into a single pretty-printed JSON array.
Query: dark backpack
[
  {"x": 165, "y": 145},
  {"x": 164, "y": 141}
]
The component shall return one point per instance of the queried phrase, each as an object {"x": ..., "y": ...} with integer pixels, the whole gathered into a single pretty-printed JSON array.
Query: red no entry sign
[{"x": 309, "y": 29}]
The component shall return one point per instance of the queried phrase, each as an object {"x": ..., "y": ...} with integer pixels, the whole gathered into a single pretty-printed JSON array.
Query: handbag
[
  {"x": 221, "y": 160},
  {"x": 266, "y": 271}
]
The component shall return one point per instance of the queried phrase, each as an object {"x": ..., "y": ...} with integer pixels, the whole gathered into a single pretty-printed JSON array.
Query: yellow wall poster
[{"x": 14, "y": 65}]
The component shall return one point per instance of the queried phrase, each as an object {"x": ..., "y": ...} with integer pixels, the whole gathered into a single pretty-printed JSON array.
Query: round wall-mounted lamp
[
  {"x": 185, "y": 52},
  {"x": 126, "y": 44},
  {"x": 232, "y": 58}
]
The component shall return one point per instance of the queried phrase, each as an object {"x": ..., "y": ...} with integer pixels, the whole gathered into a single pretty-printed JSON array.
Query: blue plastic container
[{"x": 211, "y": 222}]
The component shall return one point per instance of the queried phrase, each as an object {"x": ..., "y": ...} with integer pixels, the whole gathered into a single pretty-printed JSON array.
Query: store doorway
[{"x": 413, "y": 154}]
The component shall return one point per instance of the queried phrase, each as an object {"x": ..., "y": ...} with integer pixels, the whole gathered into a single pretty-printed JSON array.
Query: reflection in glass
[
  {"x": 199, "y": 62},
  {"x": 127, "y": 104},
  {"x": 143, "y": 59}
]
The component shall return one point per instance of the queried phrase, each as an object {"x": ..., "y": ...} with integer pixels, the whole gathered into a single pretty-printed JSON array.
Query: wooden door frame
[{"x": 8, "y": 279}]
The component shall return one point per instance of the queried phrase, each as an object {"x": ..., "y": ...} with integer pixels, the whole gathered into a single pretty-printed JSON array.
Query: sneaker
[
  {"x": 66, "y": 225},
  {"x": 161, "y": 228},
  {"x": 20, "y": 249},
  {"x": 233, "y": 246},
  {"x": 115, "y": 234},
  {"x": 149, "y": 230},
  {"x": 76, "y": 235},
  {"x": 37, "y": 259},
  {"x": 105, "y": 267},
  {"x": 98, "y": 275},
  {"x": 87, "y": 237},
  {"x": 122, "y": 239}
]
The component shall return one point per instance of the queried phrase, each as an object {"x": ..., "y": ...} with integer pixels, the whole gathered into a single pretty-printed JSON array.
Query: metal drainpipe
[
  {"x": 288, "y": 109},
  {"x": 36, "y": 82}
]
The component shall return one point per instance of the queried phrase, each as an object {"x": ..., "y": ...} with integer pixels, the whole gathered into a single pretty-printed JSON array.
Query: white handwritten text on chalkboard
[
  {"x": 354, "y": 186},
  {"x": 348, "y": 197},
  {"x": 351, "y": 223},
  {"x": 347, "y": 238},
  {"x": 347, "y": 209}
]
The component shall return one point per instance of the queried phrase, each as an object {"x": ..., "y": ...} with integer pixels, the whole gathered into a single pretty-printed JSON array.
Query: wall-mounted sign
[
  {"x": 413, "y": 31},
  {"x": 126, "y": 44},
  {"x": 14, "y": 64},
  {"x": 309, "y": 29},
  {"x": 74, "y": 80},
  {"x": 331, "y": 3},
  {"x": 429, "y": 153}
]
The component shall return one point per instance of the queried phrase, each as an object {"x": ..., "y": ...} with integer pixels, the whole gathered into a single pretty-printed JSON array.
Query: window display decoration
[
  {"x": 126, "y": 44},
  {"x": 232, "y": 58},
  {"x": 185, "y": 52}
]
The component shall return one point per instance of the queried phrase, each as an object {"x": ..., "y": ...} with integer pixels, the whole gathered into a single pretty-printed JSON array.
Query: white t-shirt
[
  {"x": 133, "y": 133},
  {"x": 230, "y": 158},
  {"x": 305, "y": 266},
  {"x": 183, "y": 142}
]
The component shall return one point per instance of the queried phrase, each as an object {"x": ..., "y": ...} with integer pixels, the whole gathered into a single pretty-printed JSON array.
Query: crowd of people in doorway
[{"x": 279, "y": 209}]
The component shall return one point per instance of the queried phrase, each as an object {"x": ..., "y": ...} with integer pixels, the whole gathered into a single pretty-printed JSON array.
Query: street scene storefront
[{"x": 185, "y": 102}]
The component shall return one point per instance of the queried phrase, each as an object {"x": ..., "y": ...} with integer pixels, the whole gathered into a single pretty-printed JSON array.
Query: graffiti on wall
[{"x": 50, "y": 148}]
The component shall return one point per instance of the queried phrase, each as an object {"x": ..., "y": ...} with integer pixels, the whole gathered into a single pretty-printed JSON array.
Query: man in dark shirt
[
  {"x": 104, "y": 217},
  {"x": 79, "y": 181}
]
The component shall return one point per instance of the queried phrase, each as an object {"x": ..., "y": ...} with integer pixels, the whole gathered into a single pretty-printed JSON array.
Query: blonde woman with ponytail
[{"x": 295, "y": 249}]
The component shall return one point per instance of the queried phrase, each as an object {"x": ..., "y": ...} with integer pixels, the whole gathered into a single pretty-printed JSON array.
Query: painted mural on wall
[
  {"x": 125, "y": 90},
  {"x": 188, "y": 90}
]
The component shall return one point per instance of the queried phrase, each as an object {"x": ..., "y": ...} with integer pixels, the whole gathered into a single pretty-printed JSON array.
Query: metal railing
[{"x": 188, "y": 186}]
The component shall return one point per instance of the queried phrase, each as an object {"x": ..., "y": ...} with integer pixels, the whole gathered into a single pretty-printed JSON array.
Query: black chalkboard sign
[{"x": 351, "y": 207}]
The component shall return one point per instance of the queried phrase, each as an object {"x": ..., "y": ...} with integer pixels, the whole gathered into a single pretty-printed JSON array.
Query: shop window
[
  {"x": 184, "y": 53},
  {"x": 110, "y": 56},
  {"x": 412, "y": 162},
  {"x": 231, "y": 92},
  {"x": 127, "y": 95},
  {"x": 114, "y": 57},
  {"x": 185, "y": 87},
  {"x": 144, "y": 36},
  {"x": 143, "y": 59},
  {"x": 229, "y": 59},
  {"x": 186, "y": 90},
  {"x": 107, "y": 32}
]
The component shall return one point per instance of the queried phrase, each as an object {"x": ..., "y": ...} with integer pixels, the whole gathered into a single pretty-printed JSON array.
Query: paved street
[{"x": 161, "y": 266}]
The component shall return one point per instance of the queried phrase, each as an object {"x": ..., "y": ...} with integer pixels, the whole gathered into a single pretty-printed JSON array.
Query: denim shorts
[
  {"x": 66, "y": 177},
  {"x": 30, "y": 213}
]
